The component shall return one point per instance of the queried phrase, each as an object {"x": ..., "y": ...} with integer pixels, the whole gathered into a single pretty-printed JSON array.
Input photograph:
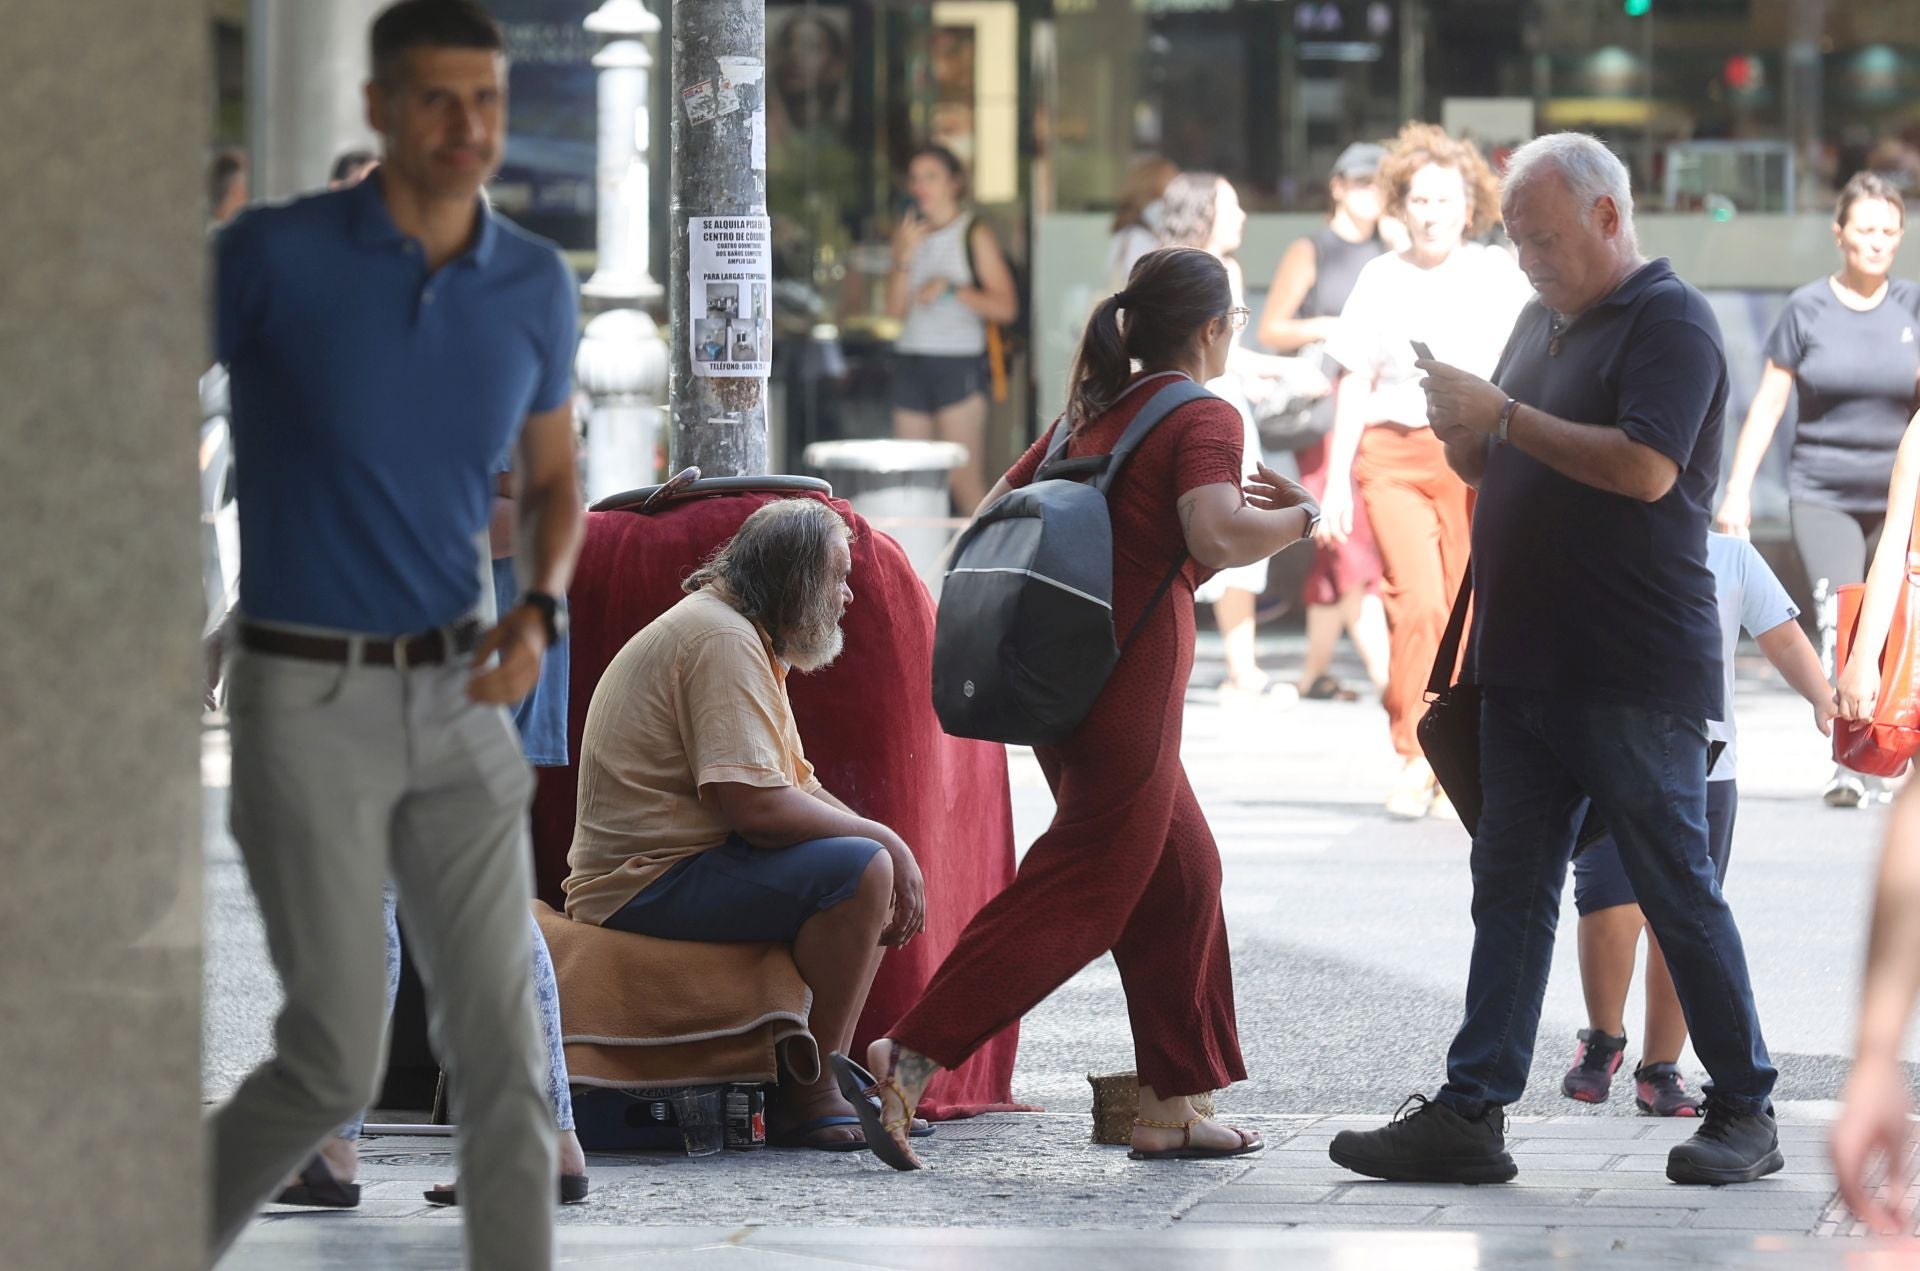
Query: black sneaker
[
  {"x": 1430, "y": 1144},
  {"x": 1729, "y": 1147},
  {"x": 1595, "y": 1060}
]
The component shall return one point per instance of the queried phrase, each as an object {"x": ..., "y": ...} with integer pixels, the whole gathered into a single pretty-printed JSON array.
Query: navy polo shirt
[
  {"x": 373, "y": 401},
  {"x": 1580, "y": 591}
]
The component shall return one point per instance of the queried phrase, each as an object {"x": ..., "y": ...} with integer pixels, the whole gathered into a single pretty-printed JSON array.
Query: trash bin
[{"x": 900, "y": 487}]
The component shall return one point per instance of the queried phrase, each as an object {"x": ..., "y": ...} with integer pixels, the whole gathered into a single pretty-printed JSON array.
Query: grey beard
[{"x": 818, "y": 653}]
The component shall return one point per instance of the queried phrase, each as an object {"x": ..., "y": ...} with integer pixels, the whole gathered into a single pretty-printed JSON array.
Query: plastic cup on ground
[{"x": 701, "y": 1114}]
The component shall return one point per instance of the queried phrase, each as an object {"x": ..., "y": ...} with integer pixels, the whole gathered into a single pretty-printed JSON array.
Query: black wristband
[{"x": 553, "y": 614}]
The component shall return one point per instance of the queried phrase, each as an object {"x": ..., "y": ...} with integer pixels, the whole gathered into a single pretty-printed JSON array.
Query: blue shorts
[
  {"x": 740, "y": 892},
  {"x": 1600, "y": 881}
]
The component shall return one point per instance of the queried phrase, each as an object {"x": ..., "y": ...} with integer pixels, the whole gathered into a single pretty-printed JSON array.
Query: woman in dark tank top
[{"x": 1309, "y": 289}]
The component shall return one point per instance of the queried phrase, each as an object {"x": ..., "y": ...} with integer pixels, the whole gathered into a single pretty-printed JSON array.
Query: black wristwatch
[{"x": 553, "y": 613}]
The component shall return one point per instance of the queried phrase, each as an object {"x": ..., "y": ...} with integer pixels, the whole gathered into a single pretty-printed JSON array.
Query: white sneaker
[
  {"x": 1846, "y": 790},
  {"x": 1443, "y": 809},
  {"x": 1413, "y": 793}
]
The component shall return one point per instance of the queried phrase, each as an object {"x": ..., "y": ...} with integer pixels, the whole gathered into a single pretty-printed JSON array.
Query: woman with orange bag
[{"x": 1887, "y": 578}]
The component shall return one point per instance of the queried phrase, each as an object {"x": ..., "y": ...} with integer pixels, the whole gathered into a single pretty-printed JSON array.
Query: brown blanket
[{"x": 638, "y": 1012}]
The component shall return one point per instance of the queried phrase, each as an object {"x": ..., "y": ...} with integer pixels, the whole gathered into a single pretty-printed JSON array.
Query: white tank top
[{"x": 946, "y": 327}]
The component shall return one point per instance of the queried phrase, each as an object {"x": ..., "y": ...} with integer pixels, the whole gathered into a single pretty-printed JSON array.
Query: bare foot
[
  {"x": 913, "y": 1071},
  {"x": 1207, "y": 1134},
  {"x": 342, "y": 1157},
  {"x": 573, "y": 1158},
  {"x": 801, "y": 1104}
]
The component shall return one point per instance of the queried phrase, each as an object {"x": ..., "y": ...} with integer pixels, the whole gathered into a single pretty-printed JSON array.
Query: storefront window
[{"x": 1719, "y": 106}]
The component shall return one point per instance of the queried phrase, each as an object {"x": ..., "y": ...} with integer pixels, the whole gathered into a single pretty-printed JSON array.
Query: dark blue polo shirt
[
  {"x": 1589, "y": 593},
  {"x": 373, "y": 402}
]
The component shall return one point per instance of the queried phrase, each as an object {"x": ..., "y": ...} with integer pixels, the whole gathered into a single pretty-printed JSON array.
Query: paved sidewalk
[{"x": 1032, "y": 1192}]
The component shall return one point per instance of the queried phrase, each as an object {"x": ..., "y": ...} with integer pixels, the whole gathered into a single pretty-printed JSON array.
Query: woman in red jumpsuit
[{"x": 1128, "y": 864}]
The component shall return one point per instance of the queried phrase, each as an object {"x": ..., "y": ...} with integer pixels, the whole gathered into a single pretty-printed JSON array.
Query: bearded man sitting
[{"x": 699, "y": 817}]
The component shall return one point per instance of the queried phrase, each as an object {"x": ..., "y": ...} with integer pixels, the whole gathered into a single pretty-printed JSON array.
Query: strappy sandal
[
  {"x": 1187, "y": 1151},
  {"x": 319, "y": 1189},
  {"x": 868, "y": 1097}
]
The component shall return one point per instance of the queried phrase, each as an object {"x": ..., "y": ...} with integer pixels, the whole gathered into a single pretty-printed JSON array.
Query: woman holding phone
[
  {"x": 1460, "y": 297},
  {"x": 949, "y": 280}
]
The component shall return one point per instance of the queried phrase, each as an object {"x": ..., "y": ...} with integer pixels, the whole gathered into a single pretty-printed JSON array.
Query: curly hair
[
  {"x": 1188, "y": 206},
  {"x": 1419, "y": 145}
]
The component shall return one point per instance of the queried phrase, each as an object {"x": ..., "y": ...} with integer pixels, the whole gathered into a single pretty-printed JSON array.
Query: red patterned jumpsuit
[{"x": 1128, "y": 864}]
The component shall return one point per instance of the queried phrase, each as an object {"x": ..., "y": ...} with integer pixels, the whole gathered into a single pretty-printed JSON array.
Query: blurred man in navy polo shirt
[
  {"x": 390, "y": 345},
  {"x": 1595, "y": 450}
]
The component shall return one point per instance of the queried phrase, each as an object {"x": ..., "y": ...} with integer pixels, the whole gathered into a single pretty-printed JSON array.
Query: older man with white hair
[{"x": 1594, "y": 643}]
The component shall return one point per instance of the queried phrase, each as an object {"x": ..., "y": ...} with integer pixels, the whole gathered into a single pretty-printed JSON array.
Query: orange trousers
[{"x": 1421, "y": 513}]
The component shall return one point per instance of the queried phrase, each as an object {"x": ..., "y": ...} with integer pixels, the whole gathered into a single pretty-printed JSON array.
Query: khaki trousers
[
  {"x": 343, "y": 776},
  {"x": 1421, "y": 514}
]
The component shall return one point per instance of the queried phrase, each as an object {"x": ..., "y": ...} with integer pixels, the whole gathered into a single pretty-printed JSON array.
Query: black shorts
[
  {"x": 929, "y": 382},
  {"x": 1600, "y": 880}
]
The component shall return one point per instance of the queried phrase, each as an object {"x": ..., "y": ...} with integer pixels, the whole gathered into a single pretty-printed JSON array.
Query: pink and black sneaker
[
  {"x": 1659, "y": 1092},
  {"x": 1594, "y": 1063}
]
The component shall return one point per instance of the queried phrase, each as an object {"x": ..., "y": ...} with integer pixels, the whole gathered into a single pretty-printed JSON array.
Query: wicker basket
[{"x": 1116, "y": 1102}]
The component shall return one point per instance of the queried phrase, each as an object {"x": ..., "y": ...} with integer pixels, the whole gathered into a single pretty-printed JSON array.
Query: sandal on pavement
[
  {"x": 868, "y": 1097},
  {"x": 803, "y": 1135},
  {"x": 1328, "y": 689},
  {"x": 1187, "y": 1151},
  {"x": 573, "y": 1190},
  {"x": 319, "y": 1188}
]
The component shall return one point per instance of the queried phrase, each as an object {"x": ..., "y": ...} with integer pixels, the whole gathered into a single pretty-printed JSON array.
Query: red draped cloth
[{"x": 868, "y": 726}]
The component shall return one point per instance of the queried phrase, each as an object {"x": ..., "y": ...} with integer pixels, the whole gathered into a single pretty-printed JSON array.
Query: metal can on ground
[{"x": 746, "y": 1112}]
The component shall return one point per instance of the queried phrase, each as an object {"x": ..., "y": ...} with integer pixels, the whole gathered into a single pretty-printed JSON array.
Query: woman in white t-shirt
[
  {"x": 949, "y": 281},
  {"x": 1459, "y": 298}
]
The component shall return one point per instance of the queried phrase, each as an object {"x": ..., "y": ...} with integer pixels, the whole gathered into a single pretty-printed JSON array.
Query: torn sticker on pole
[
  {"x": 730, "y": 293},
  {"x": 701, "y": 101}
]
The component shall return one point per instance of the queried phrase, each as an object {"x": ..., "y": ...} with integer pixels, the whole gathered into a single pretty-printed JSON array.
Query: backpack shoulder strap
[{"x": 1158, "y": 407}]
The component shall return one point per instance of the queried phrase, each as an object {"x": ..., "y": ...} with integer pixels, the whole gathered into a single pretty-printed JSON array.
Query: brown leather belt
[{"x": 429, "y": 648}]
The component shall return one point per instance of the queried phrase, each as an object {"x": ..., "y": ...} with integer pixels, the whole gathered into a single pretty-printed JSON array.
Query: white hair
[{"x": 1590, "y": 170}]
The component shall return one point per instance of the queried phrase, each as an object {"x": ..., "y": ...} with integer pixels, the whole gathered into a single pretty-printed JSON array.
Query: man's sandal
[
  {"x": 319, "y": 1188},
  {"x": 1187, "y": 1151},
  {"x": 868, "y": 1097}
]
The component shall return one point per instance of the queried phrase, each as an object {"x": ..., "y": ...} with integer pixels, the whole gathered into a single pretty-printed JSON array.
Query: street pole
[{"x": 721, "y": 285}]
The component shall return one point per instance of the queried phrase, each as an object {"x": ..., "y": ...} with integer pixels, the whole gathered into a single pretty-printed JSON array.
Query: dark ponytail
[{"x": 1171, "y": 294}]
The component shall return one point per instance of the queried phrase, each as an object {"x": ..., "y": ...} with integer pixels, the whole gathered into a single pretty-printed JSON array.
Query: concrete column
[
  {"x": 100, "y": 347},
  {"x": 625, "y": 179},
  {"x": 306, "y": 65}
]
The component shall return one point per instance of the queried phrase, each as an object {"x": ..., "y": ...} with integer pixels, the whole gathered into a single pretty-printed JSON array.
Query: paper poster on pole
[{"x": 730, "y": 293}]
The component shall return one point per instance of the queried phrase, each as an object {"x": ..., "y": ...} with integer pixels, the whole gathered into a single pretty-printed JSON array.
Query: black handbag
[{"x": 1449, "y": 732}]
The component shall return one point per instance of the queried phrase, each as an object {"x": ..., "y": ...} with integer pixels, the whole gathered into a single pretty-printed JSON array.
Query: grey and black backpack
[{"x": 1024, "y": 639}]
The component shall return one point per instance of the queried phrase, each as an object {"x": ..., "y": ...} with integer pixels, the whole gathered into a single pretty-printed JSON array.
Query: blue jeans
[{"x": 1542, "y": 755}]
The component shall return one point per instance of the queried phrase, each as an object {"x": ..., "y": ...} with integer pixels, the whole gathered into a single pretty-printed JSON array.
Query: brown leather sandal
[
  {"x": 869, "y": 1099},
  {"x": 1249, "y": 1142}
]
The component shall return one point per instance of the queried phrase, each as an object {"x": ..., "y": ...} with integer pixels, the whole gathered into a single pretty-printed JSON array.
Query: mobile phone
[{"x": 1421, "y": 351}]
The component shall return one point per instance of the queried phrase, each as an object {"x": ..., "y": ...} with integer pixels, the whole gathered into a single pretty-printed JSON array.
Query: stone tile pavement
[{"x": 1013, "y": 1192}]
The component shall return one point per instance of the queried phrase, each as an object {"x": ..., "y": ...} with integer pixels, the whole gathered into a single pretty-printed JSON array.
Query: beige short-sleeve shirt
[{"x": 696, "y": 697}]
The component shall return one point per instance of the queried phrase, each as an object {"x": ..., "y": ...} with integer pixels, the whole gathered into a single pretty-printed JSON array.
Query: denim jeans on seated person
[{"x": 1541, "y": 756}]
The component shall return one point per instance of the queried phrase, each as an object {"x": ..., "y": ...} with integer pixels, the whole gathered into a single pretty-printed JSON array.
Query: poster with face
[{"x": 809, "y": 72}]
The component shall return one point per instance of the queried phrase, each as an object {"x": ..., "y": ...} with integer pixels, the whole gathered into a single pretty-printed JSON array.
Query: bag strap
[
  {"x": 1159, "y": 594},
  {"x": 1055, "y": 465},
  {"x": 1158, "y": 407},
  {"x": 1448, "y": 656}
]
